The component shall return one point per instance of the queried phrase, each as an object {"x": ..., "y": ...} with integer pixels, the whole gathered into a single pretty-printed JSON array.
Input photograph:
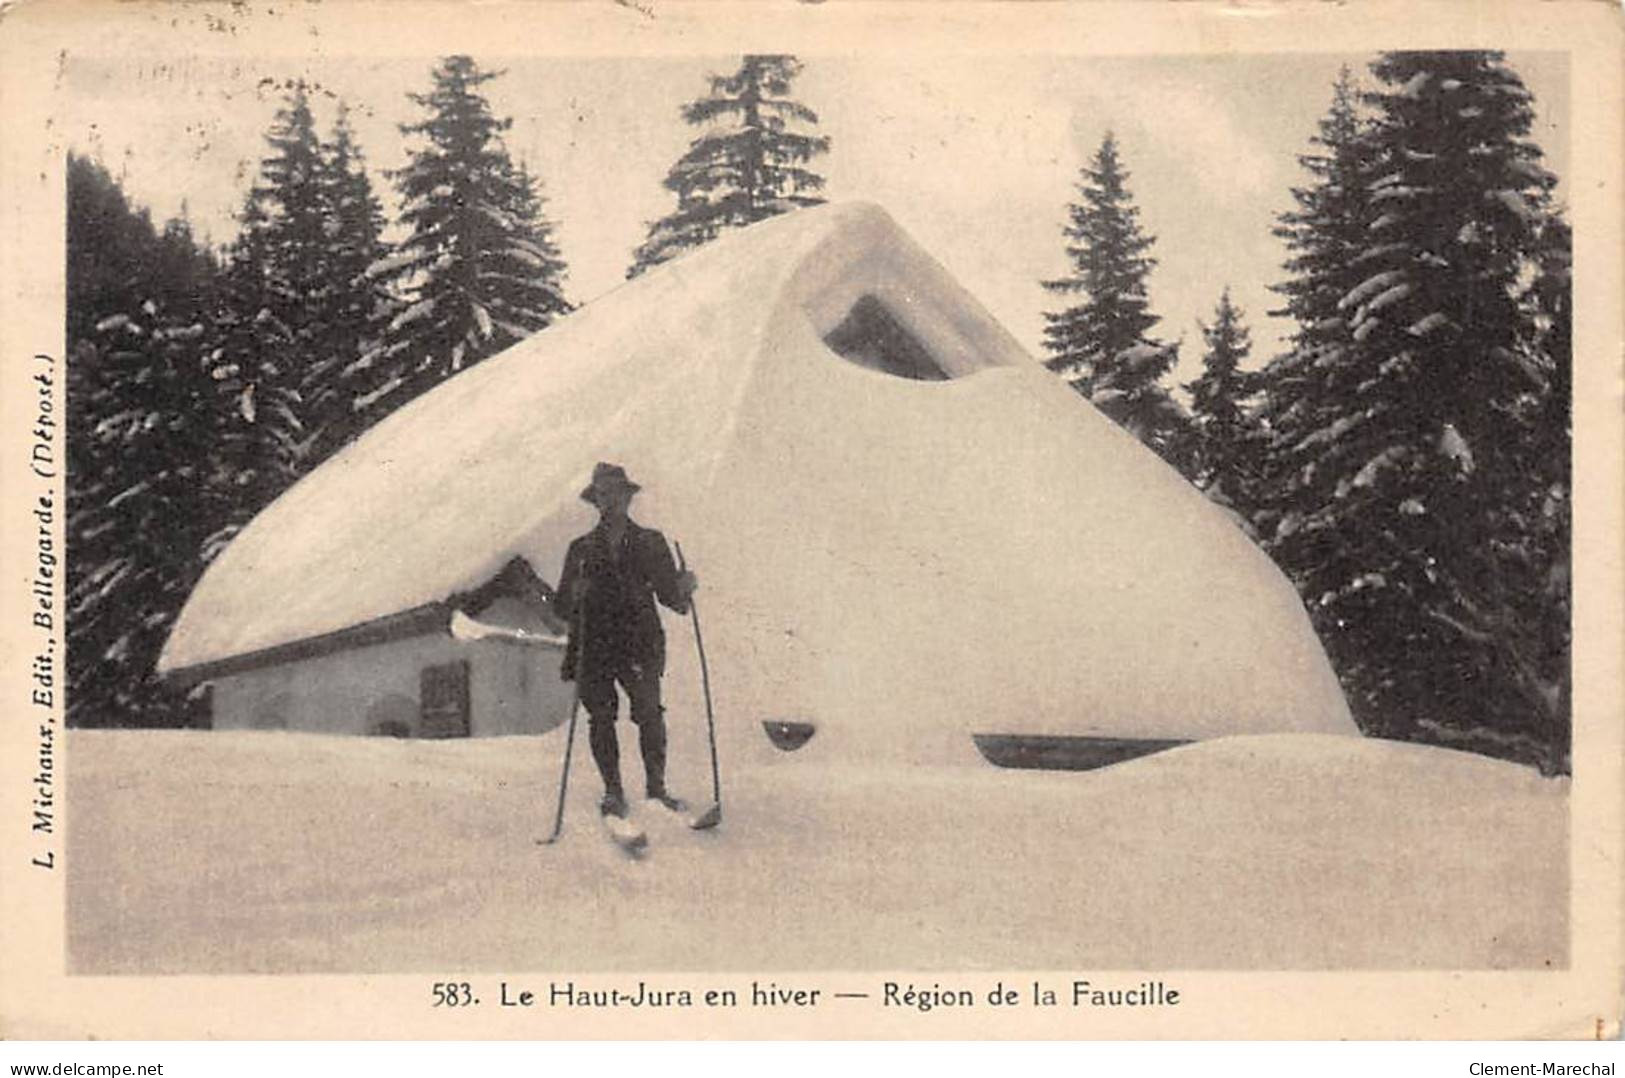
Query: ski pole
[
  {"x": 712, "y": 816},
  {"x": 564, "y": 778},
  {"x": 575, "y": 708}
]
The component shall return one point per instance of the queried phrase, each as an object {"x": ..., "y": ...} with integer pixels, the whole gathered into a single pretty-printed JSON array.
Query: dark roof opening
[{"x": 871, "y": 336}]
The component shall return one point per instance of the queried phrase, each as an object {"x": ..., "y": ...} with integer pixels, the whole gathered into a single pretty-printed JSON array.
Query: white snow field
[
  {"x": 900, "y": 560},
  {"x": 283, "y": 852}
]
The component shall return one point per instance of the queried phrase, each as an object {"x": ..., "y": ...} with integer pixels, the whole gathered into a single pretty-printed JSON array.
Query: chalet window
[{"x": 443, "y": 699}]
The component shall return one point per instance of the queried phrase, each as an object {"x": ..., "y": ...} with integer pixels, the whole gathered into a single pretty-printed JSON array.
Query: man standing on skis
[{"x": 611, "y": 579}]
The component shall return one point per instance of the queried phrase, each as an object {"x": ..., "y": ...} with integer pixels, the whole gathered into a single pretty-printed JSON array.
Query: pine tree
[
  {"x": 479, "y": 270},
  {"x": 750, "y": 164},
  {"x": 108, "y": 241},
  {"x": 1223, "y": 428},
  {"x": 1326, "y": 233},
  {"x": 1305, "y": 392},
  {"x": 142, "y": 482},
  {"x": 1550, "y": 511},
  {"x": 357, "y": 307},
  {"x": 271, "y": 336},
  {"x": 1417, "y": 426},
  {"x": 1101, "y": 344}
]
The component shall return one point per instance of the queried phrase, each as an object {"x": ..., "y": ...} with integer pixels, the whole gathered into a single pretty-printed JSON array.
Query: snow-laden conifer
[
  {"x": 478, "y": 269},
  {"x": 358, "y": 305},
  {"x": 750, "y": 162},
  {"x": 1101, "y": 344},
  {"x": 144, "y": 483},
  {"x": 1413, "y": 463},
  {"x": 269, "y": 335},
  {"x": 1225, "y": 441}
]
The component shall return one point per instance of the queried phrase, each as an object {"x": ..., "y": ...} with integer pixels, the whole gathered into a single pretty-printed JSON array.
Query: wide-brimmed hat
[{"x": 607, "y": 477}]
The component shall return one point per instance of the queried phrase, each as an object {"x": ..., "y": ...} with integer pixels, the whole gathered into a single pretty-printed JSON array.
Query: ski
[
  {"x": 625, "y": 834},
  {"x": 705, "y": 821},
  {"x": 694, "y": 821}
]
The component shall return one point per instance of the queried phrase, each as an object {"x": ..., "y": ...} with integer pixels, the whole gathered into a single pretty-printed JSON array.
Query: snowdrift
[
  {"x": 276, "y": 852},
  {"x": 900, "y": 520}
]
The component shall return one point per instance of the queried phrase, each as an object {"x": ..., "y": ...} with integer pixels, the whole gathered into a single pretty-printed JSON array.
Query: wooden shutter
[{"x": 443, "y": 699}]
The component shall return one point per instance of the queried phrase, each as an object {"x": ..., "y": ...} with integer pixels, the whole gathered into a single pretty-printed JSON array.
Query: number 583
[{"x": 453, "y": 994}]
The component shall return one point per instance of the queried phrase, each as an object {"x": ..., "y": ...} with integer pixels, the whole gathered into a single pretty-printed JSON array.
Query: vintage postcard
[{"x": 694, "y": 520}]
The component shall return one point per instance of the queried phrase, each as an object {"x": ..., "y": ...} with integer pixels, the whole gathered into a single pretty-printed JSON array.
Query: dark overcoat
[{"x": 623, "y": 580}]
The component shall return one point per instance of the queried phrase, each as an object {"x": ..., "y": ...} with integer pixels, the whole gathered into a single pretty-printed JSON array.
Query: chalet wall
[{"x": 512, "y": 689}]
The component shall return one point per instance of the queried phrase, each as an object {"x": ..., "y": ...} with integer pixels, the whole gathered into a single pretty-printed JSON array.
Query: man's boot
[
  {"x": 652, "y": 744},
  {"x": 606, "y": 753}
]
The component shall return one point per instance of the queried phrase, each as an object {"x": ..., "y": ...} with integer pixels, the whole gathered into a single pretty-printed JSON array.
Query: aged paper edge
[{"x": 37, "y": 999}]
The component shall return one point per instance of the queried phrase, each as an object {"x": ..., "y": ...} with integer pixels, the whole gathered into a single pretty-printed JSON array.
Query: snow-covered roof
[{"x": 872, "y": 538}]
